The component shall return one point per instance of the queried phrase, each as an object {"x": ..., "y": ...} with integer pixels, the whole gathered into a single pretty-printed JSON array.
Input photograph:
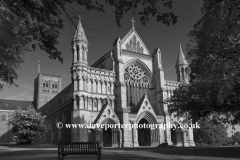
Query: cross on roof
[{"x": 133, "y": 21}]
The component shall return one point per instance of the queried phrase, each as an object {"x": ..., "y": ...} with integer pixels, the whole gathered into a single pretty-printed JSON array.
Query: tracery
[{"x": 135, "y": 74}]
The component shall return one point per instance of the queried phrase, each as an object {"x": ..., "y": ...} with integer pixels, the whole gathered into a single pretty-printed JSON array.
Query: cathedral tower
[
  {"x": 45, "y": 88},
  {"x": 181, "y": 67},
  {"x": 79, "y": 80}
]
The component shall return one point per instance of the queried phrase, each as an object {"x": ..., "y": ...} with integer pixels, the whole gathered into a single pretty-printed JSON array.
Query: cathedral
[{"x": 125, "y": 86}]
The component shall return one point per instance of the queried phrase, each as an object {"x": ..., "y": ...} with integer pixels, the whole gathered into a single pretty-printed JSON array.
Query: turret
[
  {"x": 181, "y": 67},
  {"x": 79, "y": 45}
]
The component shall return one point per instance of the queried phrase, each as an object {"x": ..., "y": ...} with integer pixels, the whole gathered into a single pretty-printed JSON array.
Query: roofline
[
  {"x": 50, "y": 75},
  {"x": 102, "y": 58}
]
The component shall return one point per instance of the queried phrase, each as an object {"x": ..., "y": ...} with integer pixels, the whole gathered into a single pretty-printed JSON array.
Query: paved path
[{"x": 107, "y": 154}]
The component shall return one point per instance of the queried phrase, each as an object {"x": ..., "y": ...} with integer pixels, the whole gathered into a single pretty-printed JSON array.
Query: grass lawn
[
  {"x": 150, "y": 153},
  {"x": 32, "y": 145},
  {"x": 26, "y": 152}
]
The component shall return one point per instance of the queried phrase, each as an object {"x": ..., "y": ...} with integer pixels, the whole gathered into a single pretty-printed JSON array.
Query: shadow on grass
[
  {"x": 224, "y": 152},
  {"x": 32, "y": 145},
  {"x": 53, "y": 155},
  {"x": 120, "y": 154},
  {"x": 26, "y": 153},
  {"x": 107, "y": 157}
]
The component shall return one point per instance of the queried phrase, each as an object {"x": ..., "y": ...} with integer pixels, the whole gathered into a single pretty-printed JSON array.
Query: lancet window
[
  {"x": 77, "y": 48},
  {"x": 82, "y": 56},
  {"x": 134, "y": 45},
  {"x": 137, "y": 79}
]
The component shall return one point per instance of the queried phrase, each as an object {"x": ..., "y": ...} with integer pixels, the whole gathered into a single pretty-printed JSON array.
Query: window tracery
[
  {"x": 135, "y": 74},
  {"x": 134, "y": 45}
]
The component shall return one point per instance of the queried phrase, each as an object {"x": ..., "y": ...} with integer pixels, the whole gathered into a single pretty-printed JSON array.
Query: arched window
[
  {"x": 56, "y": 86},
  {"x": 186, "y": 73},
  {"x": 131, "y": 47},
  {"x": 97, "y": 87},
  {"x": 127, "y": 46},
  {"x": 134, "y": 43},
  {"x": 90, "y": 104},
  {"x": 52, "y": 85},
  {"x": 82, "y": 53},
  {"x": 141, "y": 50},
  {"x": 183, "y": 74},
  {"x": 77, "y": 99},
  {"x": 45, "y": 84},
  {"x": 92, "y": 85},
  {"x": 77, "y": 48},
  {"x": 138, "y": 47},
  {"x": 95, "y": 104}
]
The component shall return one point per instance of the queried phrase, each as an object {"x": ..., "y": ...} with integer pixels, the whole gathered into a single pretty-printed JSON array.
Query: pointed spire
[
  {"x": 145, "y": 94},
  {"x": 181, "y": 60},
  {"x": 39, "y": 65},
  {"x": 158, "y": 57},
  {"x": 133, "y": 21},
  {"x": 80, "y": 34}
]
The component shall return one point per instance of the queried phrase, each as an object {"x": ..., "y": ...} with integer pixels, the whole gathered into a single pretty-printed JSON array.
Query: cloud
[{"x": 26, "y": 95}]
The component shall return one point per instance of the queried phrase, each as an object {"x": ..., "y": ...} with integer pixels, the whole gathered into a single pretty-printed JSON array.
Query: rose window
[{"x": 135, "y": 74}]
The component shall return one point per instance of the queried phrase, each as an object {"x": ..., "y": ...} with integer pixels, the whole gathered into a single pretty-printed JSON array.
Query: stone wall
[
  {"x": 5, "y": 129},
  {"x": 55, "y": 135}
]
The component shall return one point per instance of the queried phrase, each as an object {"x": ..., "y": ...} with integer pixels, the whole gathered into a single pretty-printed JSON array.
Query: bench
[{"x": 79, "y": 148}]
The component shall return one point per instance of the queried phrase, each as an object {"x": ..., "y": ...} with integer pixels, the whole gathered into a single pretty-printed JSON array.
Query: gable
[
  {"x": 133, "y": 42},
  {"x": 106, "y": 112},
  {"x": 146, "y": 107}
]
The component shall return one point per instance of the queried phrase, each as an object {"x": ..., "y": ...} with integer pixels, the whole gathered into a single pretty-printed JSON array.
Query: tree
[
  {"x": 41, "y": 20},
  {"x": 236, "y": 137},
  {"x": 214, "y": 88},
  {"x": 26, "y": 125},
  {"x": 210, "y": 134}
]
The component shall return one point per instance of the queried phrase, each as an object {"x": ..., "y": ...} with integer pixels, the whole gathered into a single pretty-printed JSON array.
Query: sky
[{"x": 102, "y": 30}]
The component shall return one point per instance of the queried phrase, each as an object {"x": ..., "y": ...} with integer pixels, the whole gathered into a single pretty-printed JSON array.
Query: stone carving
[
  {"x": 146, "y": 103},
  {"x": 108, "y": 111},
  {"x": 135, "y": 74}
]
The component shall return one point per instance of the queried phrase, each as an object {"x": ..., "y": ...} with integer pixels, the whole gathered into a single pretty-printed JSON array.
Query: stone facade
[
  {"x": 45, "y": 88},
  {"x": 126, "y": 86}
]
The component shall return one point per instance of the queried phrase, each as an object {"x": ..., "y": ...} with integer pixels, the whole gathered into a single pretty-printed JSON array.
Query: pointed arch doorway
[
  {"x": 147, "y": 136},
  {"x": 144, "y": 134},
  {"x": 107, "y": 137},
  {"x": 111, "y": 135}
]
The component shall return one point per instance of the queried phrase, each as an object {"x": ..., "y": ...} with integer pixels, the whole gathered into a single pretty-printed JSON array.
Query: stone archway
[
  {"x": 144, "y": 134},
  {"x": 107, "y": 137},
  {"x": 110, "y": 136},
  {"x": 174, "y": 136},
  {"x": 147, "y": 136}
]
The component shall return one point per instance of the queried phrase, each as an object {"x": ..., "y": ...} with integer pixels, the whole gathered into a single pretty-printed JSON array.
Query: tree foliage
[
  {"x": 214, "y": 89},
  {"x": 210, "y": 134},
  {"x": 41, "y": 20},
  {"x": 236, "y": 137},
  {"x": 26, "y": 125}
]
